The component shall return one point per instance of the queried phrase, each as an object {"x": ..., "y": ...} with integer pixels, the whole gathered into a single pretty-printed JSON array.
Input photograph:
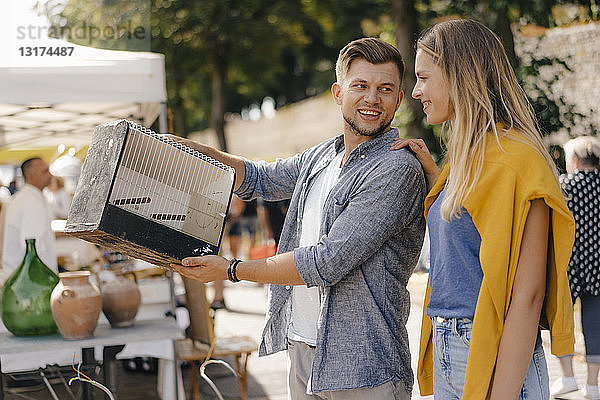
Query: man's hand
[{"x": 204, "y": 269}]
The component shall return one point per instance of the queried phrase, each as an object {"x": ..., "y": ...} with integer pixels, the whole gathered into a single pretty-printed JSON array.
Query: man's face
[
  {"x": 39, "y": 174},
  {"x": 369, "y": 96}
]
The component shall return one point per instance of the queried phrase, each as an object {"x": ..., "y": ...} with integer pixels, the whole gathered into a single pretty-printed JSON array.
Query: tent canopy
[{"x": 52, "y": 100}]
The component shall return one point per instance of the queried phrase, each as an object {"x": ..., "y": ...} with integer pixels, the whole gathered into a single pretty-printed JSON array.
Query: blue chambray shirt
[{"x": 370, "y": 239}]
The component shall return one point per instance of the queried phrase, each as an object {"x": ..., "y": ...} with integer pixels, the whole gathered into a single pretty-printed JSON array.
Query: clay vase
[
  {"x": 121, "y": 299},
  {"x": 76, "y": 305}
]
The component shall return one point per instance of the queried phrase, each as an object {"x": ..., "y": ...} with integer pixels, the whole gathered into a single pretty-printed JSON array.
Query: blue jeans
[{"x": 451, "y": 340}]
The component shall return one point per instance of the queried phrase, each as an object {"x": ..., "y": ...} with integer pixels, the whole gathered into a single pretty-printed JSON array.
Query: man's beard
[{"x": 383, "y": 127}]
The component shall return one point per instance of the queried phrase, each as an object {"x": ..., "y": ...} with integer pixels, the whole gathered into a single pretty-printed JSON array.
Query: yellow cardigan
[{"x": 512, "y": 176}]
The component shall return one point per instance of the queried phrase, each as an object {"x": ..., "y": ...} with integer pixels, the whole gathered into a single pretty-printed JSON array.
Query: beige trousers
[{"x": 300, "y": 357}]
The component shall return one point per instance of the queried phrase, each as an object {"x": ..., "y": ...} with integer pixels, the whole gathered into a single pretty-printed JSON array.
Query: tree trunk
[
  {"x": 218, "y": 100},
  {"x": 504, "y": 32},
  {"x": 179, "y": 112},
  {"x": 407, "y": 30}
]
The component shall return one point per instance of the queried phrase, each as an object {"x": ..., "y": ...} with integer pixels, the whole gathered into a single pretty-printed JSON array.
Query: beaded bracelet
[
  {"x": 233, "y": 272},
  {"x": 231, "y": 275}
]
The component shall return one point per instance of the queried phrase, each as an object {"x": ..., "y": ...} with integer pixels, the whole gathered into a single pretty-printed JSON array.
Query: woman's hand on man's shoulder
[{"x": 420, "y": 150}]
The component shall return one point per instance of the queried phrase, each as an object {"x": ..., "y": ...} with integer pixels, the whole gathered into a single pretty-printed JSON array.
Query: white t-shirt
[
  {"x": 28, "y": 215},
  {"x": 59, "y": 201},
  {"x": 306, "y": 303}
]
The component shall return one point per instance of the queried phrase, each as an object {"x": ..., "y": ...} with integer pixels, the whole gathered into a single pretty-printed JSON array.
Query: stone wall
[{"x": 579, "y": 47}]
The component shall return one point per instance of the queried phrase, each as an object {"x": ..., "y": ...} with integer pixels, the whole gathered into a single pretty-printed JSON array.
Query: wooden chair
[{"x": 196, "y": 348}]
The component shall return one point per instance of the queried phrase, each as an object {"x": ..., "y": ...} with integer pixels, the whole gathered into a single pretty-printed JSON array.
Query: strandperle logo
[{"x": 85, "y": 32}]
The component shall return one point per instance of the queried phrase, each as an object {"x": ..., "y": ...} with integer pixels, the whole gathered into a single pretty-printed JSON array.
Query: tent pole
[{"x": 162, "y": 118}]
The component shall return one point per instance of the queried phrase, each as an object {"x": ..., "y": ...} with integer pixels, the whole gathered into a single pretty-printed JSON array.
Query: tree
[
  {"x": 202, "y": 41},
  {"x": 251, "y": 49},
  {"x": 406, "y": 19},
  {"x": 222, "y": 55},
  {"x": 552, "y": 111},
  {"x": 229, "y": 34}
]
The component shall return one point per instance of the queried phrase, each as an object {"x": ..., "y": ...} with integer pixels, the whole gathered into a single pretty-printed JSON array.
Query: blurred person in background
[
  {"x": 272, "y": 215},
  {"x": 12, "y": 187},
  {"x": 28, "y": 215},
  {"x": 581, "y": 187},
  {"x": 241, "y": 218},
  {"x": 58, "y": 197}
]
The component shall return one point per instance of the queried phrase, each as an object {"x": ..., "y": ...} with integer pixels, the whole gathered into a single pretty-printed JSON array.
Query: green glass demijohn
[{"x": 26, "y": 296}]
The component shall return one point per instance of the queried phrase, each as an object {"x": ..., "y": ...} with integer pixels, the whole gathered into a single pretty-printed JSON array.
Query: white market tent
[{"x": 52, "y": 100}]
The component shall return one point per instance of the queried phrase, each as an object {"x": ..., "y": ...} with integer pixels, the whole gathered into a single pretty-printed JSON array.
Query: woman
[
  {"x": 500, "y": 230},
  {"x": 581, "y": 187}
]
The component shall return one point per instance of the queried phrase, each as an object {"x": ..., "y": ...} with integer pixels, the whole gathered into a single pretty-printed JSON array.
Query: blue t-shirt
[{"x": 455, "y": 272}]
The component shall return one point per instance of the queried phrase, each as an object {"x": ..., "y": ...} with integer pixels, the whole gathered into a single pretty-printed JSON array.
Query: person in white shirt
[
  {"x": 57, "y": 196},
  {"x": 28, "y": 215}
]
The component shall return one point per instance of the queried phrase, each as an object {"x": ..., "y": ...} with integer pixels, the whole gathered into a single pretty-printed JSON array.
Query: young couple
[{"x": 500, "y": 231}]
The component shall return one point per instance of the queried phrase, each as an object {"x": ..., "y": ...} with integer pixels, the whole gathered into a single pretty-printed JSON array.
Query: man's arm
[
  {"x": 236, "y": 162},
  {"x": 280, "y": 269},
  {"x": 271, "y": 181},
  {"x": 388, "y": 202},
  {"x": 418, "y": 146},
  {"x": 11, "y": 243}
]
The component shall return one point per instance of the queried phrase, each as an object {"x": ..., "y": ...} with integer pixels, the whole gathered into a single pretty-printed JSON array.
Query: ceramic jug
[
  {"x": 121, "y": 299},
  {"x": 76, "y": 305}
]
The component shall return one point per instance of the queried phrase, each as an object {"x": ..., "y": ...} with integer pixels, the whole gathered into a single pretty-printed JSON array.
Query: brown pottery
[
  {"x": 76, "y": 305},
  {"x": 121, "y": 300}
]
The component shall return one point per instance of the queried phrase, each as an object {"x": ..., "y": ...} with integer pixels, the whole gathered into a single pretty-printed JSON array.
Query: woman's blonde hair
[{"x": 483, "y": 91}]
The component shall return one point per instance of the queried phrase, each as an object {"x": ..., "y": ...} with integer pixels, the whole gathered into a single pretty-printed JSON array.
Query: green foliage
[
  {"x": 553, "y": 112},
  {"x": 106, "y": 24},
  {"x": 539, "y": 12},
  {"x": 285, "y": 49},
  {"x": 539, "y": 90},
  {"x": 236, "y": 38}
]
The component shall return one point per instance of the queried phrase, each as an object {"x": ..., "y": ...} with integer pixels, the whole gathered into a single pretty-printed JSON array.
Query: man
[
  {"x": 351, "y": 239},
  {"x": 28, "y": 215}
]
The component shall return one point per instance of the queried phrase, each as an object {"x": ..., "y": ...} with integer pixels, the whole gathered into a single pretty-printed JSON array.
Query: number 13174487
[{"x": 46, "y": 51}]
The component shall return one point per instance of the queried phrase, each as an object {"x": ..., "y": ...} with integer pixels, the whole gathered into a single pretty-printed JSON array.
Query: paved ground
[
  {"x": 247, "y": 305},
  {"x": 267, "y": 380}
]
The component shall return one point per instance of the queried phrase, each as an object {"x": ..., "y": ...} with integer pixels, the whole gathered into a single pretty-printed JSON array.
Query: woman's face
[{"x": 431, "y": 89}]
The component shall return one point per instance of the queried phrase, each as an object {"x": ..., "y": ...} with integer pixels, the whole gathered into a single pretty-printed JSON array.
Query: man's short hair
[
  {"x": 373, "y": 50},
  {"x": 26, "y": 166}
]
